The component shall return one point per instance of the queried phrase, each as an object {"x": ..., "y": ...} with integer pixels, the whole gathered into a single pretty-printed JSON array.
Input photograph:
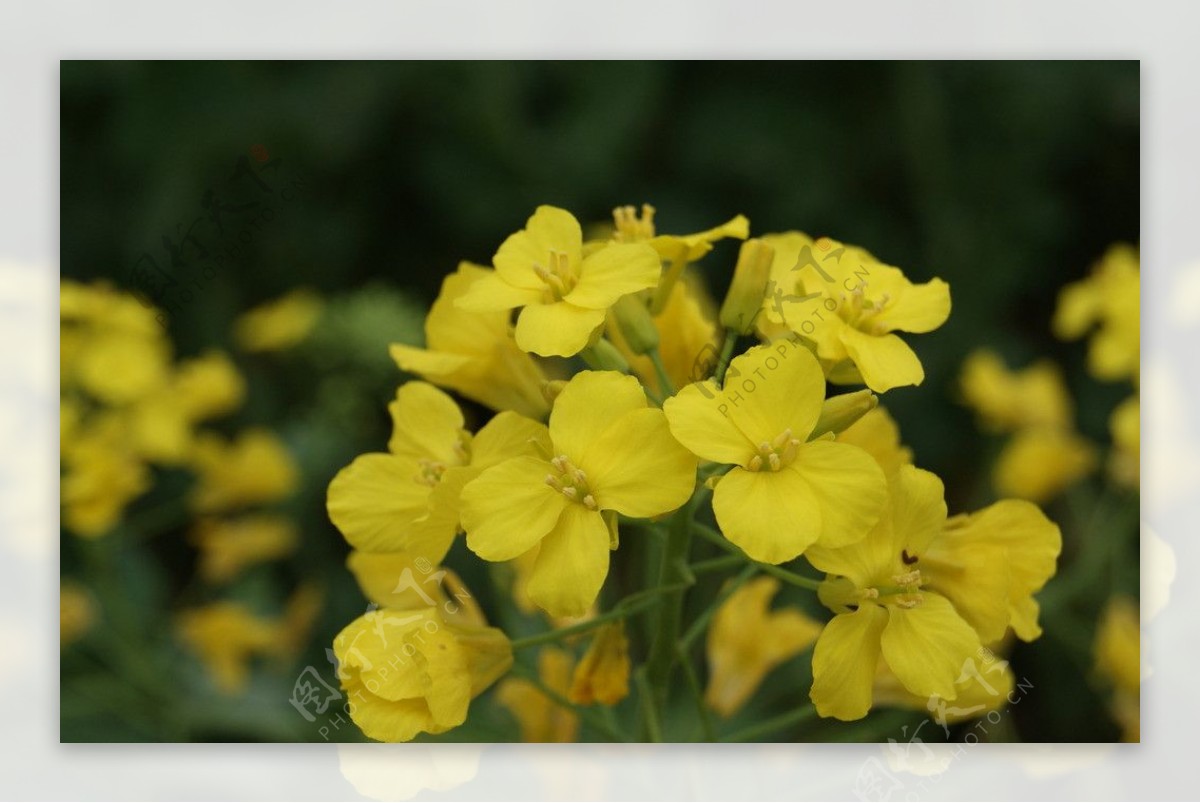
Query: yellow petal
[
  {"x": 571, "y": 564},
  {"x": 1039, "y": 463},
  {"x": 844, "y": 663},
  {"x": 426, "y": 423},
  {"x": 773, "y": 516},
  {"x": 591, "y": 402},
  {"x": 877, "y": 434},
  {"x": 919, "y": 307},
  {"x": 928, "y": 645},
  {"x": 374, "y": 502},
  {"x": 508, "y": 435},
  {"x": 885, "y": 361},
  {"x": 918, "y": 509},
  {"x": 613, "y": 272},
  {"x": 770, "y": 389},
  {"x": 493, "y": 292},
  {"x": 698, "y": 422},
  {"x": 637, "y": 468},
  {"x": 848, "y": 486},
  {"x": 508, "y": 508},
  {"x": 556, "y": 330},
  {"x": 549, "y": 229}
]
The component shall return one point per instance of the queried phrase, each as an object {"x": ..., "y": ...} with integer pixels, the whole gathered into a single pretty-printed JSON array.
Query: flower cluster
[{"x": 622, "y": 402}]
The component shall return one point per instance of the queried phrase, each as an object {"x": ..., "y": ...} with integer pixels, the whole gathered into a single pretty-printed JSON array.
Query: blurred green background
[{"x": 1006, "y": 179}]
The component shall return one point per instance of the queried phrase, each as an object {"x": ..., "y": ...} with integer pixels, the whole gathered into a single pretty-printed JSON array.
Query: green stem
[
  {"x": 665, "y": 386},
  {"x": 793, "y": 717},
  {"x": 709, "y": 534},
  {"x": 672, "y": 572},
  {"x": 726, "y": 356},
  {"x": 689, "y": 672},
  {"x": 651, "y": 725},
  {"x": 701, "y": 624},
  {"x": 627, "y": 607}
]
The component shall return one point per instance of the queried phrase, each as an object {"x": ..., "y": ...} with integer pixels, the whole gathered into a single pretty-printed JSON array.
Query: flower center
[
  {"x": 630, "y": 228},
  {"x": 571, "y": 482},
  {"x": 862, "y": 313},
  {"x": 777, "y": 454},
  {"x": 557, "y": 275},
  {"x": 905, "y": 591},
  {"x": 432, "y": 470}
]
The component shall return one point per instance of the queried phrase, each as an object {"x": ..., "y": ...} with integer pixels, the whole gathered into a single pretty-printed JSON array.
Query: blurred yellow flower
[
  {"x": 877, "y": 434},
  {"x": 410, "y": 671},
  {"x": 227, "y": 546},
  {"x": 408, "y": 499},
  {"x": 474, "y": 353},
  {"x": 849, "y": 305},
  {"x": 1009, "y": 400},
  {"x": 208, "y": 386},
  {"x": 101, "y": 476},
  {"x": 602, "y": 674},
  {"x": 784, "y": 492},
  {"x": 563, "y": 294},
  {"x": 610, "y": 453},
  {"x": 278, "y": 324},
  {"x": 885, "y": 604},
  {"x": 255, "y": 468},
  {"x": 1109, "y": 299},
  {"x": 1039, "y": 463},
  {"x": 746, "y": 640},
  {"x": 1118, "y": 657},
  {"x": 1125, "y": 424},
  {"x": 76, "y": 612},
  {"x": 540, "y": 718},
  {"x": 226, "y": 636}
]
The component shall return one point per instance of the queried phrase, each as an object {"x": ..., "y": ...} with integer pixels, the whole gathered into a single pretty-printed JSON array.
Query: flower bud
[
  {"x": 602, "y": 675},
  {"x": 744, "y": 300},
  {"x": 636, "y": 325},
  {"x": 839, "y": 412},
  {"x": 603, "y": 356}
]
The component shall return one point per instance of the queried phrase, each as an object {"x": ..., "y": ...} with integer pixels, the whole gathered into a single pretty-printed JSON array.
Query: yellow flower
[
  {"x": 118, "y": 367},
  {"x": 408, "y": 499},
  {"x": 983, "y": 686},
  {"x": 676, "y": 250},
  {"x": 887, "y": 604},
  {"x": 991, "y": 562},
  {"x": 255, "y": 468},
  {"x": 784, "y": 493},
  {"x": 848, "y": 305},
  {"x": 541, "y": 719},
  {"x": 609, "y": 454},
  {"x": 226, "y": 636},
  {"x": 563, "y": 294},
  {"x": 1117, "y": 651},
  {"x": 1125, "y": 424},
  {"x": 1039, "y": 463},
  {"x": 412, "y": 671},
  {"x": 474, "y": 353},
  {"x": 602, "y": 675},
  {"x": 101, "y": 475},
  {"x": 686, "y": 331},
  {"x": 76, "y": 612},
  {"x": 877, "y": 434},
  {"x": 400, "y": 580},
  {"x": 227, "y": 547},
  {"x": 521, "y": 568},
  {"x": 746, "y": 640},
  {"x": 208, "y": 386},
  {"x": 1009, "y": 400},
  {"x": 278, "y": 324},
  {"x": 1109, "y": 299}
]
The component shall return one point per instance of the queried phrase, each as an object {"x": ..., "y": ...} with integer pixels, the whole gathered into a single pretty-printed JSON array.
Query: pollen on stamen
[
  {"x": 755, "y": 463},
  {"x": 774, "y": 460},
  {"x": 589, "y": 502},
  {"x": 570, "y": 493}
]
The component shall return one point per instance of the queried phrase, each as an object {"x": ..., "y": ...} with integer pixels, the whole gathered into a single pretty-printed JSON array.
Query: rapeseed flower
[
  {"x": 1109, "y": 301},
  {"x": 1009, "y": 400},
  {"x": 255, "y": 468},
  {"x": 474, "y": 353},
  {"x": 408, "y": 671},
  {"x": 540, "y": 718},
  {"x": 279, "y": 324},
  {"x": 563, "y": 295},
  {"x": 1117, "y": 653},
  {"x": 877, "y": 434},
  {"x": 609, "y": 453},
  {"x": 747, "y": 640},
  {"x": 1039, "y": 463},
  {"x": 602, "y": 674},
  {"x": 227, "y": 636},
  {"x": 784, "y": 493},
  {"x": 227, "y": 546},
  {"x": 1124, "y": 465},
  {"x": 848, "y": 305},
  {"x": 407, "y": 500}
]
